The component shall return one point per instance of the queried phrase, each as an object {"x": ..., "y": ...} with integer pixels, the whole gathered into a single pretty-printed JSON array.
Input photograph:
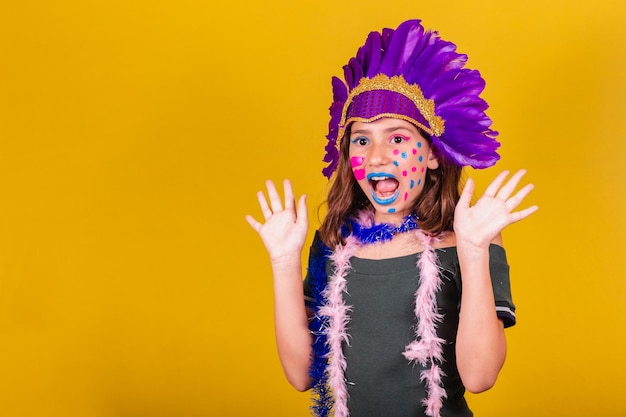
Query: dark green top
[{"x": 380, "y": 380}]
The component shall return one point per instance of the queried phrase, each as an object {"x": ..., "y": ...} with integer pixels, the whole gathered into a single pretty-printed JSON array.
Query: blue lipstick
[{"x": 378, "y": 176}]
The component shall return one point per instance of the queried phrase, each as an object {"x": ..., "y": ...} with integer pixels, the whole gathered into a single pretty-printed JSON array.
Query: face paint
[
  {"x": 356, "y": 161},
  {"x": 377, "y": 176},
  {"x": 387, "y": 157}
]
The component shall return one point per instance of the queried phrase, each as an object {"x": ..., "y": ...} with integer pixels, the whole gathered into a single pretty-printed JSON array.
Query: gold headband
[{"x": 396, "y": 84}]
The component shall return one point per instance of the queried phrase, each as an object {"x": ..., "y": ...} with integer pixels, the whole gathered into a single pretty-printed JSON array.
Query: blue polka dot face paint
[{"x": 389, "y": 158}]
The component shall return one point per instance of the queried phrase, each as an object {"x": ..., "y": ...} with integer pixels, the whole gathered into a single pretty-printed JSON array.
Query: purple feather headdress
[{"x": 412, "y": 74}]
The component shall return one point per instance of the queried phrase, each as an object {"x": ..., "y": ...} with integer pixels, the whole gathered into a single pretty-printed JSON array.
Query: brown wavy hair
[{"x": 434, "y": 206}]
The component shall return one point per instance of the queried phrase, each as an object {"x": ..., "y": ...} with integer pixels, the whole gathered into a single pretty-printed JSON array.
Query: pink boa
[{"x": 427, "y": 346}]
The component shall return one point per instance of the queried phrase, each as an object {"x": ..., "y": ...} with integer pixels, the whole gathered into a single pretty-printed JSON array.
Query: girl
[{"x": 407, "y": 291}]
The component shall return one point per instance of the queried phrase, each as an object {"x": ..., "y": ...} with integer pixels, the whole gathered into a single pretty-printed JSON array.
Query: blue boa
[
  {"x": 379, "y": 232},
  {"x": 323, "y": 400}
]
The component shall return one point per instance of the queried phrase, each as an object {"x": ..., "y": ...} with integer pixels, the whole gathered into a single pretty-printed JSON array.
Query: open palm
[
  {"x": 285, "y": 228},
  {"x": 479, "y": 224}
]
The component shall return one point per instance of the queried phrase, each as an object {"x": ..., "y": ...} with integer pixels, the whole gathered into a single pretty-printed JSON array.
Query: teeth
[{"x": 379, "y": 178}]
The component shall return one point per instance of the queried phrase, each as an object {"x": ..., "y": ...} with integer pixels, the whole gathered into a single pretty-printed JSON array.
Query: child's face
[{"x": 389, "y": 159}]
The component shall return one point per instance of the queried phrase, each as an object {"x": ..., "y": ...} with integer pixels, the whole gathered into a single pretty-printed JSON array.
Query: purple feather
[
  {"x": 396, "y": 51},
  {"x": 372, "y": 51},
  {"x": 464, "y": 83}
]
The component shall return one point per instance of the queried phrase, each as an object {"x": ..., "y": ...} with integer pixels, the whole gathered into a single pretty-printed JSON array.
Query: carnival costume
[{"x": 410, "y": 74}]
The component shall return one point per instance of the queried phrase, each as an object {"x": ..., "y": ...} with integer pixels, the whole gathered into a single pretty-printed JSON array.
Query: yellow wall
[{"x": 134, "y": 134}]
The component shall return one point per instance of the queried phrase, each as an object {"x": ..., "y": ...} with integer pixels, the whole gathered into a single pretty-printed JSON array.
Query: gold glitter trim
[
  {"x": 392, "y": 115},
  {"x": 397, "y": 84}
]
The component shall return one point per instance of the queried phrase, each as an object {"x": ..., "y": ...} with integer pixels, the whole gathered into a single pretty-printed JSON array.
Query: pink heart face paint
[
  {"x": 389, "y": 158},
  {"x": 355, "y": 163}
]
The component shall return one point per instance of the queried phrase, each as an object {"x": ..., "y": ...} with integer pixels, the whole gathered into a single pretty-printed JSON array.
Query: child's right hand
[{"x": 285, "y": 229}]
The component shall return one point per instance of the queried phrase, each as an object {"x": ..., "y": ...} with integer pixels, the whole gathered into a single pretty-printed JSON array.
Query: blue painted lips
[{"x": 379, "y": 176}]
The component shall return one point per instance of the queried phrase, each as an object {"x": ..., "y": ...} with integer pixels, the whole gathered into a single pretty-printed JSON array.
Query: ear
[{"x": 433, "y": 161}]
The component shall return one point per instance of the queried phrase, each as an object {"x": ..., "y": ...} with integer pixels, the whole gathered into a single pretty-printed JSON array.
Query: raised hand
[
  {"x": 285, "y": 228},
  {"x": 479, "y": 224}
]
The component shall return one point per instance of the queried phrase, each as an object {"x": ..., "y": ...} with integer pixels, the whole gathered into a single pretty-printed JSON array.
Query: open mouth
[{"x": 384, "y": 187}]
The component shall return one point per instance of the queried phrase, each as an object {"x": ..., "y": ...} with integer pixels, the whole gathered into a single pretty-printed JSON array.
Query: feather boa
[
  {"x": 336, "y": 332},
  {"x": 427, "y": 346},
  {"x": 331, "y": 319}
]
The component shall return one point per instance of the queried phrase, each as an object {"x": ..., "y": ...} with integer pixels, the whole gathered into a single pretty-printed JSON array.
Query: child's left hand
[{"x": 479, "y": 224}]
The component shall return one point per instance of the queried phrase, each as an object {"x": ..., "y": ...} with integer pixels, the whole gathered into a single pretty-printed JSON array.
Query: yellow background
[{"x": 134, "y": 135}]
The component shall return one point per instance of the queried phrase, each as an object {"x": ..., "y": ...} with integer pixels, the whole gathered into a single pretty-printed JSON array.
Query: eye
[
  {"x": 360, "y": 140},
  {"x": 398, "y": 139}
]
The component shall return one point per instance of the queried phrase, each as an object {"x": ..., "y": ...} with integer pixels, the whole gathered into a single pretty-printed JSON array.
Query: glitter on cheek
[
  {"x": 422, "y": 169},
  {"x": 419, "y": 182},
  {"x": 413, "y": 169},
  {"x": 404, "y": 173},
  {"x": 419, "y": 144},
  {"x": 421, "y": 158},
  {"x": 406, "y": 195},
  {"x": 412, "y": 184},
  {"x": 414, "y": 151},
  {"x": 396, "y": 163},
  {"x": 395, "y": 151},
  {"x": 404, "y": 155}
]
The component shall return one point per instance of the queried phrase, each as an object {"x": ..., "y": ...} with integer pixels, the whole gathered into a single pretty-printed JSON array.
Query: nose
[{"x": 378, "y": 155}]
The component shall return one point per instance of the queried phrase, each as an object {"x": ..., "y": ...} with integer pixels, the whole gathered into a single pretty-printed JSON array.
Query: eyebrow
[{"x": 388, "y": 130}]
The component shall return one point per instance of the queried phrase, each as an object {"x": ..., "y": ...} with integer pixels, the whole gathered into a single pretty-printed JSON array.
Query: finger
[
  {"x": 467, "y": 193},
  {"x": 303, "y": 216},
  {"x": 509, "y": 187},
  {"x": 516, "y": 200},
  {"x": 265, "y": 208},
  {"x": 289, "y": 199},
  {"x": 522, "y": 214},
  {"x": 495, "y": 185},
  {"x": 274, "y": 197},
  {"x": 252, "y": 222}
]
